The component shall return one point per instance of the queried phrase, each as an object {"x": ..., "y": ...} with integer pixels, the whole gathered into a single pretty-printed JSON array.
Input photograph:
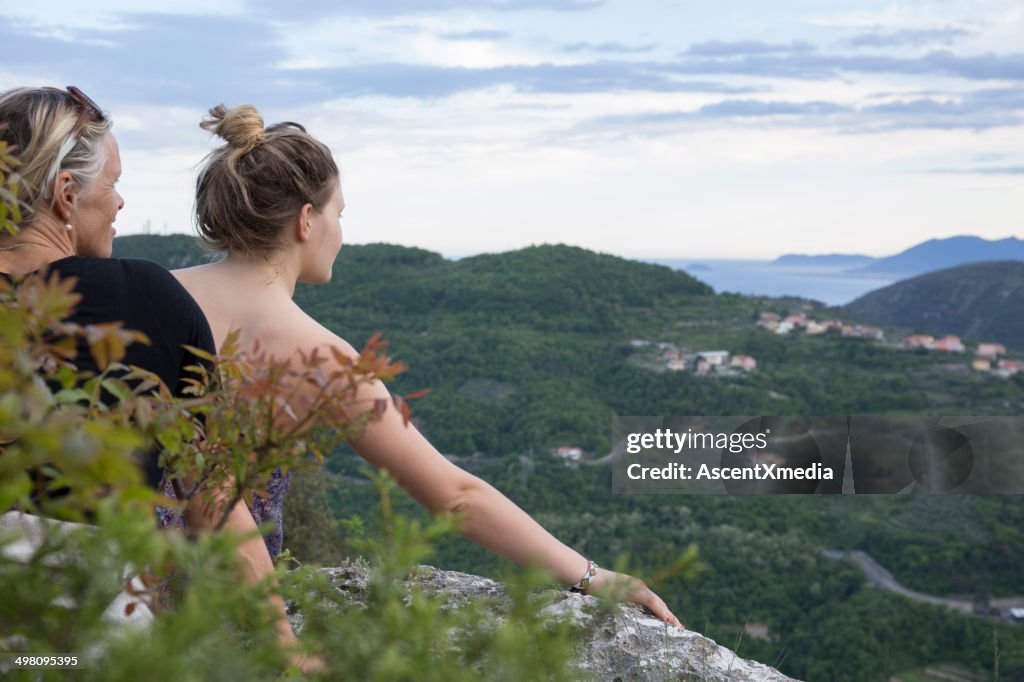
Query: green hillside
[
  {"x": 532, "y": 349},
  {"x": 171, "y": 251},
  {"x": 980, "y": 301}
]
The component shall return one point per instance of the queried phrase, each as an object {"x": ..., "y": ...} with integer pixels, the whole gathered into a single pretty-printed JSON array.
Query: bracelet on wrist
[{"x": 583, "y": 583}]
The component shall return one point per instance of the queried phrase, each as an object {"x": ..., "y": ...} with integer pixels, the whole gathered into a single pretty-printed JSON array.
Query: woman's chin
[
  {"x": 106, "y": 248},
  {"x": 315, "y": 279}
]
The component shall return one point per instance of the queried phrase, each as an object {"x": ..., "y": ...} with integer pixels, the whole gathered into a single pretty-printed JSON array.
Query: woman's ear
[
  {"x": 65, "y": 193},
  {"x": 303, "y": 227}
]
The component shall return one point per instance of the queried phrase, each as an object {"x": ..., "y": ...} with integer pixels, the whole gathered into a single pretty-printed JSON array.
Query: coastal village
[
  {"x": 720, "y": 362},
  {"x": 986, "y": 357}
]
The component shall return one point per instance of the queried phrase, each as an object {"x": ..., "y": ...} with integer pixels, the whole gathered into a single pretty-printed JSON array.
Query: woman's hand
[
  {"x": 306, "y": 663},
  {"x": 621, "y": 586}
]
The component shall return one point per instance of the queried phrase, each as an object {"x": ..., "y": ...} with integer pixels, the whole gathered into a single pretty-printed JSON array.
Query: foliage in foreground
[
  {"x": 67, "y": 442},
  {"x": 390, "y": 633},
  {"x": 208, "y": 624}
]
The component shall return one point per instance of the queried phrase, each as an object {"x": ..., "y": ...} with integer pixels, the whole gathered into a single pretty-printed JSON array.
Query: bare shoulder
[
  {"x": 190, "y": 275},
  {"x": 314, "y": 335},
  {"x": 185, "y": 272}
]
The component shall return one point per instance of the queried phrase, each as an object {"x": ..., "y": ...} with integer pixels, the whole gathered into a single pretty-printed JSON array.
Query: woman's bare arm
[
  {"x": 488, "y": 517},
  {"x": 202, "y": 514}
]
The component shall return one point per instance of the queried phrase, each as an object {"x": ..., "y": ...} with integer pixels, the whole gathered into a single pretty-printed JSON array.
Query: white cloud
[{"x": 69, "y": 15}]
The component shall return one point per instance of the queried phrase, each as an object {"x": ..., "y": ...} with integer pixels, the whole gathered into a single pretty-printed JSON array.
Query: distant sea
[{"x": 830, "y": 285}]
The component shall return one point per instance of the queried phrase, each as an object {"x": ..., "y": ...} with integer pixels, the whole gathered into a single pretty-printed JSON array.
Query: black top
[{"x": 146, "y": 298}]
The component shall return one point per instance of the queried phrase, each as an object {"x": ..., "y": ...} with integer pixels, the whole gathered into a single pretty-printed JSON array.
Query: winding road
[{"x": 877, "y": 575}]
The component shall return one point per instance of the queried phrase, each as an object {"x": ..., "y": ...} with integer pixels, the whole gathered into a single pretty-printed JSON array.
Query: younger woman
[{"x": 270, "y": 199}]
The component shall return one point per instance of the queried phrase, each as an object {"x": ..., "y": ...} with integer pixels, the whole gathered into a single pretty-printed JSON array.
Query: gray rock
[{"x": 625, "y": 644}]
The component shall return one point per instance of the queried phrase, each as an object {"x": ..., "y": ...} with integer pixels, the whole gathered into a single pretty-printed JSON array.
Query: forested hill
[
  {"x": 171, "y": 251},
  {"x": 585, "y": 273},
  {"x": 548, "y": 287},
  {"x": 980, "y": 301}
]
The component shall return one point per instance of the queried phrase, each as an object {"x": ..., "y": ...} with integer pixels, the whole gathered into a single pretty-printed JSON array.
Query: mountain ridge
[
  {"x": 938, "y": 254},
  {"x": 983, "y": 301},
  {"x": 926, "y": 256}
]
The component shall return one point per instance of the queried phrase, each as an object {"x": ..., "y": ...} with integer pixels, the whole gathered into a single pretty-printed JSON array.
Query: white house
[
  {"x": 949, "y": 342},
  {"x": 990, "y": 350},
  {"x": 569, "y": 454},
  {"x": 715, "y": 358},
  {"x": 744, "y": 362}
]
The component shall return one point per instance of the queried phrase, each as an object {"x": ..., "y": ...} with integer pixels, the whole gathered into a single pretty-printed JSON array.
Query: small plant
[
  {"x": 57, "y": 599},
  {"x": 10, "y": 207},
  {"x": 248, "y": 424},
  {"x": 394, "y": 630},
  {"x": 67, "y": 444}
]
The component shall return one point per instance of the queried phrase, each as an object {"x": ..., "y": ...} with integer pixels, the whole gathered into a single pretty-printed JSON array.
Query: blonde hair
[
  {"x": 45, "y": 128},
  {"x": 250, "y": 189}
]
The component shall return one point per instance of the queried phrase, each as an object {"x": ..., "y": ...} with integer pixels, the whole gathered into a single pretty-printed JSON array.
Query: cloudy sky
[{"x": 645, "y": 128}]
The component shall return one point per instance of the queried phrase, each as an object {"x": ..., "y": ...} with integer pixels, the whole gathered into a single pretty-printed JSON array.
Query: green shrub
[{"x": 208, "y": 623}]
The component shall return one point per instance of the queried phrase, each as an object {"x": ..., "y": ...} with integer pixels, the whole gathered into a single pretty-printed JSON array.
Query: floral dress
[{"x": 264, "y": 509}]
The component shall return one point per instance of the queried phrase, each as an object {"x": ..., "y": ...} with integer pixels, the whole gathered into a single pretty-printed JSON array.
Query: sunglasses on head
[{"x": 90, "y": 111}]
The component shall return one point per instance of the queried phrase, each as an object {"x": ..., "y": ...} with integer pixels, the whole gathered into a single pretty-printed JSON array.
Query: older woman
[
  {"x": 70, "y": 166},
  {"x": 271, "y": 200},
  {"x": 68, "y": 173}
]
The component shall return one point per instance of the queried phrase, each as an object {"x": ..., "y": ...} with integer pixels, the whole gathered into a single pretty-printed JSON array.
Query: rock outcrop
[{"x": 625, "y": 645}]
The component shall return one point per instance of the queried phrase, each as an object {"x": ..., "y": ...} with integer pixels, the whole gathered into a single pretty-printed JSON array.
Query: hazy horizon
[{"x": 685, "y": 258}]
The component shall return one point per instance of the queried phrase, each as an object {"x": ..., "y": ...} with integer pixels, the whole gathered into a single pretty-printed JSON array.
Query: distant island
[
  {"x": 828, "y": 260},
  {"x": 697, "y": 266},
  {"x": 934, "y": 254}
]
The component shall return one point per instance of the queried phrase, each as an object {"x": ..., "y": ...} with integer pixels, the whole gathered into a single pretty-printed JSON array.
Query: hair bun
[{"x": 241, "y": 126}]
